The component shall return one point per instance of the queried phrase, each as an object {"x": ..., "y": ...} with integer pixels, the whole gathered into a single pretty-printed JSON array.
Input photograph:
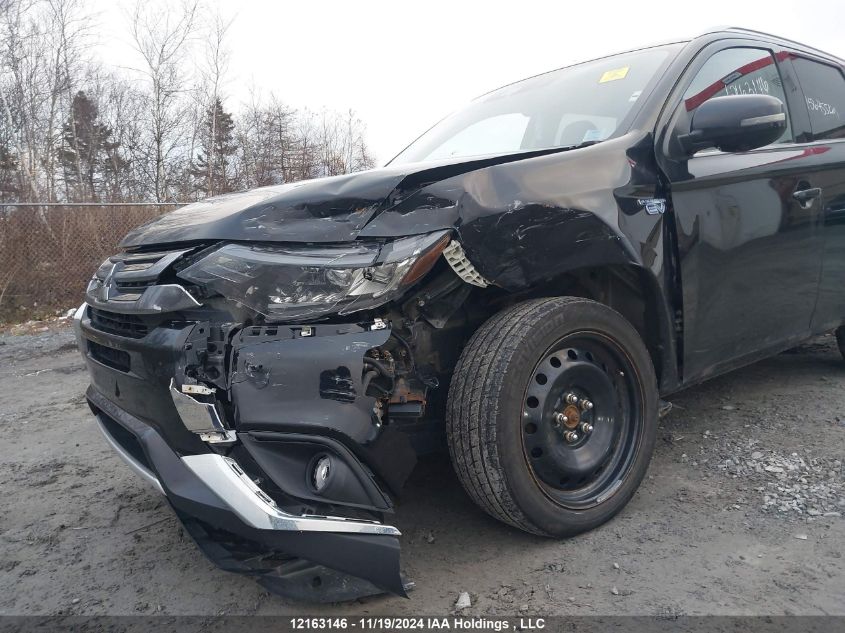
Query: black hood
[{"x": 334, "y": 209}]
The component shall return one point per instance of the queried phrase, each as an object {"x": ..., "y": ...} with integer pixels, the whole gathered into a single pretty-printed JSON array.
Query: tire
[{"x": 511, "y": 453}]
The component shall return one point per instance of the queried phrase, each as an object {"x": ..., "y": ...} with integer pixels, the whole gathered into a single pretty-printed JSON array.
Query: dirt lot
[{"x": 741, "y": 513}]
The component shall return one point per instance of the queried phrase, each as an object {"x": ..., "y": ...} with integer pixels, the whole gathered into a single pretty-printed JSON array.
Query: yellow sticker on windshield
[{"x": 613, "y": 75}]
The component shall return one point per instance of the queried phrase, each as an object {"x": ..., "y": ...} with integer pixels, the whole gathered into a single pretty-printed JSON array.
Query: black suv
[{"x": 521, "y": 284}]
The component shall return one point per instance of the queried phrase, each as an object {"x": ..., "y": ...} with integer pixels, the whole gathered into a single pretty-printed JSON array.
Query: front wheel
[{"x": 552, "y": 415}]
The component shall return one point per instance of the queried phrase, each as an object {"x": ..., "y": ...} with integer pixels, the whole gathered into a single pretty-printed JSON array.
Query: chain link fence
[{"x": 48, "y": 252}]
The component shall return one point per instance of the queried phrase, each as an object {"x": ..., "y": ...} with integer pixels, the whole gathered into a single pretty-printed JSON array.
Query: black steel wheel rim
[{"x": 581, "y": 419}]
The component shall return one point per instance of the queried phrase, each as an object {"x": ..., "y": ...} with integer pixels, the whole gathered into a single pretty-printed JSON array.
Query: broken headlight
[{"x": 303, "y": 282}]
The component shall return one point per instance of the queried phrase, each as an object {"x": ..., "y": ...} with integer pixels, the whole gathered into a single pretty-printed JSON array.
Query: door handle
[{"x": 805, "y": 197}]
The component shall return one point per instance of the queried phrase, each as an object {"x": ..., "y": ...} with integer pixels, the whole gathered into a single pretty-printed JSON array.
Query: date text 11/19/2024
[{"x": 418, "y": 624}]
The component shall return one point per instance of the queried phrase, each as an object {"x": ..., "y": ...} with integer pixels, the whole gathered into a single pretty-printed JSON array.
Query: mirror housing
[{"x": 736, "y": 123}]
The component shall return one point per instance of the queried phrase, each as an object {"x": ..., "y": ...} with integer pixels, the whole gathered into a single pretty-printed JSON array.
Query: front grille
[
  {"x": 130, "y": 290},
  {"x": 127, "y": 325},
  {"x": 134, "y": 285},
  {"x": 110, "y": 357},
  {"x": 124, "y": 277}
]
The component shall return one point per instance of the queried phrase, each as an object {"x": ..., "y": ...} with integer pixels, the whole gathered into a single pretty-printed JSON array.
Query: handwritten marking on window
[
  {"x": 750, "y": 86},
  {"x": 814, "y": 105}
]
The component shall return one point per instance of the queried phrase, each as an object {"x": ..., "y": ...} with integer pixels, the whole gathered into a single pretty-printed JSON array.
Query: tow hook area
[
  {"x": 315, "y": 411},
  {"x": 200, "y": 417},
  {"x": 200, "y": 388},
  {"x": 308, "y": 403}
]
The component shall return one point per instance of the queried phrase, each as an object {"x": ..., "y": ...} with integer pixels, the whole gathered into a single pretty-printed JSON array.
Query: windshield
[{"x": 580, "y": 104}]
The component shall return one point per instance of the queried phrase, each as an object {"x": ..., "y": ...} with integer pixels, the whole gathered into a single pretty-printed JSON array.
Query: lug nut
[
  {"x": 586, "y": 427},
  {"x": 561, "y": 419},
  {"x": 570, "y": 436},
  {"x": 571, "y": 398},
  {"x": 586, "y": 405}
]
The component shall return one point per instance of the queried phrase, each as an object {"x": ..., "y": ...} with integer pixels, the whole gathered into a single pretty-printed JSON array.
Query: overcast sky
[{"x": 403, "y": 65}]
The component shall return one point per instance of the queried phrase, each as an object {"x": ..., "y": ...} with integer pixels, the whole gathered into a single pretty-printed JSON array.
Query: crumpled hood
[
  {"x": 520, "y": 218},
  {"x": 333, "y": 209}
]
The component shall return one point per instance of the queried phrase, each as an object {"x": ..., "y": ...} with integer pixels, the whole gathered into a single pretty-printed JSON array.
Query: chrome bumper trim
[
  {"x": 77, "y": 328},
  {"x": 232, "y": 485},
  {"x": 198, "y": 417},
  {"x": 234, "y": 488},
  {"x": 133, "y": 464}
]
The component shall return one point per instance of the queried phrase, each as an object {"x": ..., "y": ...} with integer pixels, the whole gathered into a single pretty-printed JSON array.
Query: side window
[
  {"x": 824, "y": 92},
  {"x": 737, "y": 71}
]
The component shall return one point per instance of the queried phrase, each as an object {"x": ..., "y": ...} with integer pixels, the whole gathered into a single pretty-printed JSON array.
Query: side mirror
[{"x": 735, "y": 123}]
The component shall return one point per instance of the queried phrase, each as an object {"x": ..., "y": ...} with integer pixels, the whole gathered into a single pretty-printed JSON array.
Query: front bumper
[
  {"x": 211, "y": 498},
  {"x": 235, "y": 523}
]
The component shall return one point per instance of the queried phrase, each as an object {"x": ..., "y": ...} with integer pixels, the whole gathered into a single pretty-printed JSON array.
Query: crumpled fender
[{"x": 525, "y": 221}]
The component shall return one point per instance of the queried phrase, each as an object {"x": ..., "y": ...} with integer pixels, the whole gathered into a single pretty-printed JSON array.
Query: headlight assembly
[{"x": 296, "y": 282}]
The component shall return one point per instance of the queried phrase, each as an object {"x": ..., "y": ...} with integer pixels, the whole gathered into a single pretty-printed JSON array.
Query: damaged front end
[{"x": 278, "y": 396}]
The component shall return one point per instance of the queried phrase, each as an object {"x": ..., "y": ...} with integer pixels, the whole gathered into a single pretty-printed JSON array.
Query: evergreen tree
[
  {"x": 8, "y": 175},
  {"x": 213, "y": 169},
  {"x": 87, "y": 150}
]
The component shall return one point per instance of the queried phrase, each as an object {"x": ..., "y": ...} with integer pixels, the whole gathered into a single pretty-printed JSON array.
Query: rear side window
[
  {"x": 824, "y": 92},
  {"x": 737, "y": 71}
]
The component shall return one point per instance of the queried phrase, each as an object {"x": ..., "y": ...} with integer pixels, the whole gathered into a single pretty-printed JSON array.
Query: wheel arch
[{"x": 633, "y": 291}]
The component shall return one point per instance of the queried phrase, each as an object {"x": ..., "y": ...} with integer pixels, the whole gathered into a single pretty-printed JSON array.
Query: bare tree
[
  {"x": 72, "y": 128},
  {"x": 267, "y": 143},
  {"x": 214, "y": 73},
  {"x": 121, "y": 109},
  {"x": 43, "y": 49},
  {"x": 70, "y": 32},
  {"x": 160, "y": 33},
  {"x": 342, "y": 148},
  {"x": 20, "y": 66}
]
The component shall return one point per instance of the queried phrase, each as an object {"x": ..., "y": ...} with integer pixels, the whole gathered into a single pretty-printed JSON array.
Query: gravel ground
[{"x": 741, "y": 513}]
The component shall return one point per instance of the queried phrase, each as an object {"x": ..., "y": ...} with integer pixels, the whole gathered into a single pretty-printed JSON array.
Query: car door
[
  {"x": 823, "y": 86},
  {"x": 747, "y": 224}
]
